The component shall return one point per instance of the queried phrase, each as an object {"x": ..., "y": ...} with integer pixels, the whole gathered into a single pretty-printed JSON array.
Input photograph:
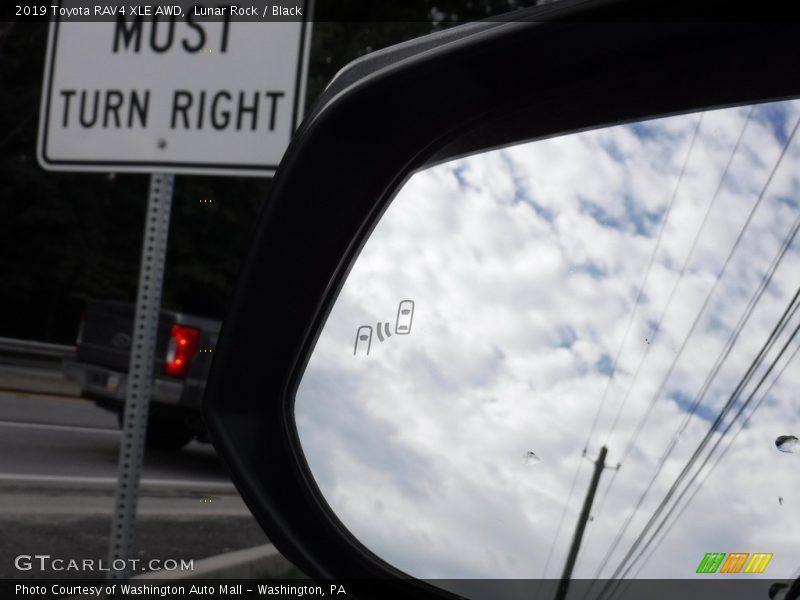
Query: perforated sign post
[{"x": 184, "y": 93}]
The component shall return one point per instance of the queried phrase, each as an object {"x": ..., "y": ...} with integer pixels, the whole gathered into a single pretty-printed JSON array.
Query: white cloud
[{"x": 524, "y": 265}]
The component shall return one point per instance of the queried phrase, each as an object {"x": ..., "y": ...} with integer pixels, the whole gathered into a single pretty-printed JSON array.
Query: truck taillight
[{"x": 182, "y": 347}]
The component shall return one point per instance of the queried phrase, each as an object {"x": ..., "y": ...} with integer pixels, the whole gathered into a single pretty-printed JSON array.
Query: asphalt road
[
  {"x": 58, "y": 464},
  {"x": 61, "y": 436}
]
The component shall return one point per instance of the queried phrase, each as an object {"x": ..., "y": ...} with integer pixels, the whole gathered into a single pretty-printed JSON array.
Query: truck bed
[{"x": 102, "y": 357}]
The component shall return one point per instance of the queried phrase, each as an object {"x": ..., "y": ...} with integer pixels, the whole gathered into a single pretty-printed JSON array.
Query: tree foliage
[{"x": 68, "y": 237}]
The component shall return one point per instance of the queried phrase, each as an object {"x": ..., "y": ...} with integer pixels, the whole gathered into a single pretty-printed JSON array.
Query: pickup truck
[{"x": 184, "y": 347}]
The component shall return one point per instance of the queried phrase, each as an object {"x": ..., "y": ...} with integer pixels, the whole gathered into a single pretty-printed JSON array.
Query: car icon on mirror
[
  {"x": 405, "y": 316},
  {"x": 363, "y": 340}
]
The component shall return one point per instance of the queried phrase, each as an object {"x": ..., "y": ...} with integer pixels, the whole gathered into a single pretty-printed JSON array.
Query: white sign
[{"x": 181, "y": 95}]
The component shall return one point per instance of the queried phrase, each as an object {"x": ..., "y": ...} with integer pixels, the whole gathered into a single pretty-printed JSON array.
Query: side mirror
[{"x": 557, "y": 69}]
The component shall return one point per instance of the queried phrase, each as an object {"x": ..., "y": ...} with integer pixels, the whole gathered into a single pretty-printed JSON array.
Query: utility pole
[{"x": 599, "y": 465}]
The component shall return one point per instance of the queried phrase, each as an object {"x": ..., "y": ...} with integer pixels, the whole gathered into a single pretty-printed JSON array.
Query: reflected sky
[{"x": 595, "y": 289}]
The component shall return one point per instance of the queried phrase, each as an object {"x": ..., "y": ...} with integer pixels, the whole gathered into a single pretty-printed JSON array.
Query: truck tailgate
[{"x": 105, "y": 337}]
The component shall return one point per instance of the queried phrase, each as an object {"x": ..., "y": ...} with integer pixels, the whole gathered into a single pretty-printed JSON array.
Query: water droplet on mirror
[
  {"x": 531, "y": 459},
  {"x": 788, "y": 443}
]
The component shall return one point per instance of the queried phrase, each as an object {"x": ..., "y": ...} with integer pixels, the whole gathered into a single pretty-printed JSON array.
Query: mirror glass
[{"x": 626, "y": 293}]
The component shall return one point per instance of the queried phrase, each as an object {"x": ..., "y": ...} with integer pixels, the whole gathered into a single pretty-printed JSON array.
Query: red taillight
[{"x": 182, "y": 347}]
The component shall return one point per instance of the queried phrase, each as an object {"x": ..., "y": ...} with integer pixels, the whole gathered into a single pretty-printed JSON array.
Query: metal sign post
[
  {"x": 140, "y": 372},
  {"x": 211, "y": 97}
]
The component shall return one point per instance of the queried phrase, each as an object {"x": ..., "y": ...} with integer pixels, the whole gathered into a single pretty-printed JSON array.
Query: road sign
[{"x": 187, "y": 94}]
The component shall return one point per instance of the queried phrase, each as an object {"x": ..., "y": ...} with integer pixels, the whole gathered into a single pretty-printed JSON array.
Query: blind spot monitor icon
[{"x": 403, "y": 322}]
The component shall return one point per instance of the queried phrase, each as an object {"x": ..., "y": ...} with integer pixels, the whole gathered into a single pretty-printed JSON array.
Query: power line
[
  {"x": 764, "y": 284},
  {"x": 624, "y": 339},
  {"x": 685, "y": 265},
  {"x": 716, "y": 445},
  {"x": 790, "y": 309},
  {"x": 777, "y": 330},
  {"x": 721, "y": 358},
  {"x": 668, "y": 304},
  {"x": 692, "y": 329},
  {"x": 644, "y": 281},
  {"x": 726, "y": 351},
  {"x": 718, "y": 461}
]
